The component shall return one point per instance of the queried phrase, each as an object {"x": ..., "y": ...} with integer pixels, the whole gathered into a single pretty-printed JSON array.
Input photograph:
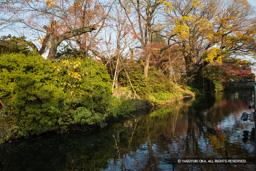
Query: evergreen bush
[{"x": 40, "y": 95}]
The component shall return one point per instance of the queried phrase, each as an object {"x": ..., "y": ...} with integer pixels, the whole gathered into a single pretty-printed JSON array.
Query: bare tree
[
  {"x": 57, "y": 21},
  {"x": 141, "y": 15}
]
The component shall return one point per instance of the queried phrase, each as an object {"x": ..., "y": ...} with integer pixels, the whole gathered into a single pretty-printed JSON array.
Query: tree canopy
[{"x": 201, "y": 32}]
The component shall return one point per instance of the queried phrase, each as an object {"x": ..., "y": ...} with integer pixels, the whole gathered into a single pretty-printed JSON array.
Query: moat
[{"x": 203, "y": 131}]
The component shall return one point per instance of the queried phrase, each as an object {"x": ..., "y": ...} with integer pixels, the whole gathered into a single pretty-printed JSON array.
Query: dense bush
[
  {"x": 215, "y": 74},
  {"x": 11, "y": 44},
  {"x": 139, "y": 82},
  {"x": 29, "y": 90},
  {"x": 40, "y": 95},
  {"x": 157, "y": 88}
]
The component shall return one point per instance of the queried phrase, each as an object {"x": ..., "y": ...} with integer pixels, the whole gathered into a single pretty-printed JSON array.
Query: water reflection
[{"x": 206, "y": 128}]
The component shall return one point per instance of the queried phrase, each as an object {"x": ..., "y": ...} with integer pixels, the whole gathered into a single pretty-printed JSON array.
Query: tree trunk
[
  {"x": 171, "y": 71},
  {"x": 189, "y": 66},
  {"x": 57, "y": 39},
  {"x": 146, "y": 66},
  {"x": 46, "y": 39},
  {"x": 193, "y": 69},
  {"x": 116, "y": 74},
  {"x": 131, "y": 54},
  {"x": 54, "y": 45}
]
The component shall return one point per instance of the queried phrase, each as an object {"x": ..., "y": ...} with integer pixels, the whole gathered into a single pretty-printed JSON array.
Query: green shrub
[
  {"x": 194, "y": 90},
  {"x": 121, "y": 107},
  {"x": 139, "y": 82},
  {"x": 28, "y": 88},
  {"x": 40, "y": 95},
  {"x": 87, "y": 84},
  {"x": 157, "y": 88},
  {"x": 144, "y": 87},
  {"x": 215, "y": 74},
  {"x": 11, "y": 44}
]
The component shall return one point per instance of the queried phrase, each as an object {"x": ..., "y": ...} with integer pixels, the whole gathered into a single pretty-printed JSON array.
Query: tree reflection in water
[{"x": 205, "y": 128}]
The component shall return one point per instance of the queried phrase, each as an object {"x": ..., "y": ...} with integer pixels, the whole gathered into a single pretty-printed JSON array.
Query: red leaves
[{"x": 238, "y": 72}]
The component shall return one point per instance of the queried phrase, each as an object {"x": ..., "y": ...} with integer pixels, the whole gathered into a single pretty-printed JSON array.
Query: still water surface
[{"x": 202, "y": 130}]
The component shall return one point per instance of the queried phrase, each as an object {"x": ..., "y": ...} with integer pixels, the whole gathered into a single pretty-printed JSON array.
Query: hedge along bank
[{"x": 40, "y": 95}]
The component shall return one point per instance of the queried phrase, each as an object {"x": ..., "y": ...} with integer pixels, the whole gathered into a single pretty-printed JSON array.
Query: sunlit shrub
[{"x": 40, "y": 95}]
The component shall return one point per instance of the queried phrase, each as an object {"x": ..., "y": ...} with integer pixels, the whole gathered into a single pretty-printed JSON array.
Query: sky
[{"x": 252, "y": 2}]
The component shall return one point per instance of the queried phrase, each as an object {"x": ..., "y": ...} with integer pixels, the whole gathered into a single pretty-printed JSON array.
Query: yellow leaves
[
  {"x": 181, "y": 30},
  {"x": 219, "y": 60},
  {"x": 196, "y": 3},
  {"x": 166, "y": 10},
  {"x": 211, "y": 56},
  {"x": 227, "y": 23},
  {"x": 168, "y": 5},
  {"x": 73, "y": 67},
  {"x": 70, "y": 85},
  {"x": 75, "y": 75},
  {"x": 58, "y": 68},
  {"x": 201, "y": 6},
  {"x": 76, "y": 64},
  {"x": 141, "y": 62},
  {"x": 214, "y": 55},
  {"x": 203, "y": 25},
  {"x": 50, "y": 3},
  {"x": 209, "y": 36},
  {"x": 69, "y": 64},
  {"x": 187, "y": 18},
  {"x": 66, "y": 62},
  {"x": 41, "y": 40}
]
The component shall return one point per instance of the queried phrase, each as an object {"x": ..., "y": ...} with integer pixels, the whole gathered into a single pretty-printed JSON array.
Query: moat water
[{"x": 204, "y": 134}]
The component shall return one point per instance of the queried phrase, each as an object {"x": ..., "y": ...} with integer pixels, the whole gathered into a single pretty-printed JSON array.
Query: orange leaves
[
  {"x": 95, "y": 26},
  {"x": 155, "y": 47},
  {"x": 251, "y": 31},
  {"x": 51, "y": 3},
  {"x": 41, "y": 40}
]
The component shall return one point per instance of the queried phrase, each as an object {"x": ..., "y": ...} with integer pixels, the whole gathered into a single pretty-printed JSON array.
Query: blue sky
[{"x": 252, "y": 2}]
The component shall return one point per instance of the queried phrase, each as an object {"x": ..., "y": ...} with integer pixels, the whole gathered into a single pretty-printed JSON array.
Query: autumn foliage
[{"x": 238, "y": 73}]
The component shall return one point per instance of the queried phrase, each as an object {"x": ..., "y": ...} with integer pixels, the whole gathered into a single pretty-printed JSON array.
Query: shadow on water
[{"x": 208, "y": 128}]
